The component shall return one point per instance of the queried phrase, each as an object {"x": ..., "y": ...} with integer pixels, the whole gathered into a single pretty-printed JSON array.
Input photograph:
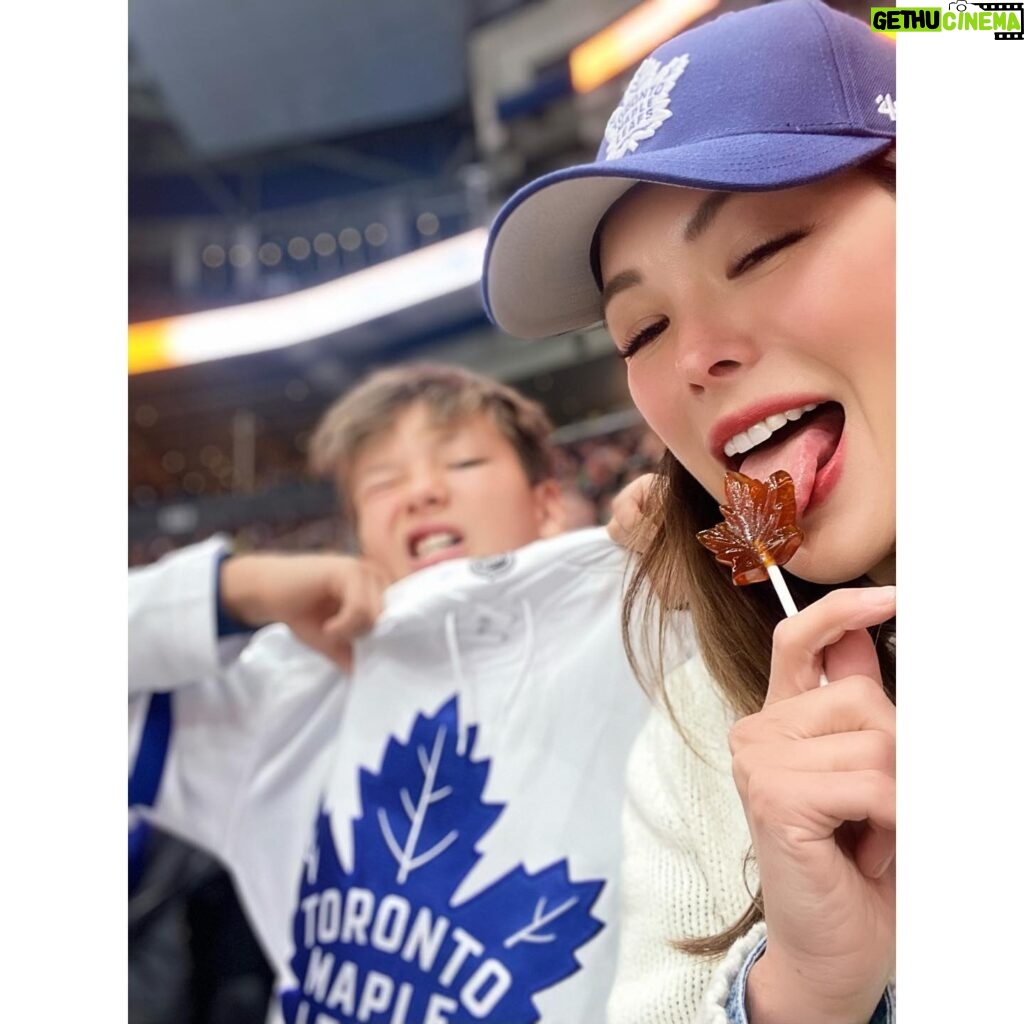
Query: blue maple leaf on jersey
[{"x": 383, "y": 941}]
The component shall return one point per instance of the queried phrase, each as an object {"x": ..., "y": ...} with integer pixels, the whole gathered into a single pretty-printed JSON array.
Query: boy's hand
[
  {"x": 631, "y": 526},
  {"x": 326, "y": 600}
]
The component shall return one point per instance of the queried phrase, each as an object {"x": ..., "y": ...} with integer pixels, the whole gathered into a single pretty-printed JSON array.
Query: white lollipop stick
[{"x": 788, "y": 605}]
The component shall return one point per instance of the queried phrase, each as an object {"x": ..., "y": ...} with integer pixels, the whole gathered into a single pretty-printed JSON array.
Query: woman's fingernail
[
  {"x": 880, "y": 595},
  {"x": 883, "y": 865}
]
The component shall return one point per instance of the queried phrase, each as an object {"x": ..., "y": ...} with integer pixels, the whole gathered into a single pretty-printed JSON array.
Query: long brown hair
[{"x": 733, "y": 625}]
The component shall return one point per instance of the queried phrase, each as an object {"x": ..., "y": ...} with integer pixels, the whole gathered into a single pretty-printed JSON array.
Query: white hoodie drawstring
[{"x": 466, "y": 693}]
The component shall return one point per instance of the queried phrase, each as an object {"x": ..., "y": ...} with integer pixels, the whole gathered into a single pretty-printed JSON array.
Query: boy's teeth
[
  {"x": 435, "y": 542},
  {"x": 761, "y": 431}
]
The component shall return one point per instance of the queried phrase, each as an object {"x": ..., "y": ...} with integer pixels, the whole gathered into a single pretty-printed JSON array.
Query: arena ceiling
[{"x": 360, "y": 119}]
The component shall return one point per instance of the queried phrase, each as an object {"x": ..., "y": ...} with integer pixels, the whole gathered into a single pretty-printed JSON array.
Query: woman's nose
[{"x": 709, "y": 352}]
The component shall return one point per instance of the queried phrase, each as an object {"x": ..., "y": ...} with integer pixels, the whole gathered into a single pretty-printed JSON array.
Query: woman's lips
[{"x": 744, "y": 418}]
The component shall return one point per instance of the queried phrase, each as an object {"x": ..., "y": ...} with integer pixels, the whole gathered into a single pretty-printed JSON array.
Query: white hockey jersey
[{"x": 435, "y": 838}]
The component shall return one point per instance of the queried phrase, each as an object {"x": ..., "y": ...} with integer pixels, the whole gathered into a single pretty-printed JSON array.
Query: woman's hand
[
  {"x": 326, "y": 600},
  {"x": 816, "y": 772}
]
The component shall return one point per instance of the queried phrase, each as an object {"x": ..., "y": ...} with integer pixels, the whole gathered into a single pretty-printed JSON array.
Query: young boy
[{"x": 429, "y": 833}]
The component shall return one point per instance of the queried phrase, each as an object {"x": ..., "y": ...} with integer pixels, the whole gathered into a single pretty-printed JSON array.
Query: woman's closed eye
[
  {"x": 767, "y": 249},
  {"x": 466, "y": 463},
  {"x": 757, "y": 255},
  {"x": 642, "y": 337}
]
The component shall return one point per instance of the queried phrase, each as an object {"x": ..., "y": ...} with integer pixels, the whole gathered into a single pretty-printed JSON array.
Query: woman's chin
[{"x": 815, "y": 562}]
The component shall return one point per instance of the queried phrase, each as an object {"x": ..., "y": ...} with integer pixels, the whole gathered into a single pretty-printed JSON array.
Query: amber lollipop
[{"x": 759, "y": 532}]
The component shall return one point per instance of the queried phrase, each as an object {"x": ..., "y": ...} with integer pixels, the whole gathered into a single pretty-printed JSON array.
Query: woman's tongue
[{"x": 801, "y": 454}]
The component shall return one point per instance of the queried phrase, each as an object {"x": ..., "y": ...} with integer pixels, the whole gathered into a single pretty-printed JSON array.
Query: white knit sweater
[{"x": 686, "y": 841}]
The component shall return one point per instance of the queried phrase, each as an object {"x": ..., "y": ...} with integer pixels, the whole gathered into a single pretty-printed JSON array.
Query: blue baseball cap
[{"x": 766, "y": 98}]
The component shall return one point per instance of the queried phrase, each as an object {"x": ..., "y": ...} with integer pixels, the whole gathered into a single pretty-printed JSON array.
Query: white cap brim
[{"x": 538, "y": 280}]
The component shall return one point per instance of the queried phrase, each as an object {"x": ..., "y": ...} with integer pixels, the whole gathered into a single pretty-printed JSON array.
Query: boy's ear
[{"x": 550, "y": 507}]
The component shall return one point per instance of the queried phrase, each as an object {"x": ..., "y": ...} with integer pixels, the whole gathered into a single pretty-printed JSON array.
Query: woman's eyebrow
[
  {"x": 619, "y": 283},
  {"x": 705, "y": 214},
  {"x": 695, "y": 227}
]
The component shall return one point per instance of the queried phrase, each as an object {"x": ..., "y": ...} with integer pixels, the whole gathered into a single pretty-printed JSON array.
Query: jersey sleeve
[
  {"x": 204, "y": 710},
  {"x": 172, "y": 620}
]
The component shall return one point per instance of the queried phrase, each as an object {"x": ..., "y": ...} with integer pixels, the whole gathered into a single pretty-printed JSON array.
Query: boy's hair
[{"x": 450, "y": 394}]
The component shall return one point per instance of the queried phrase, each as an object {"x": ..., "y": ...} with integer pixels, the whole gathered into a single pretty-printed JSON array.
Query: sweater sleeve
[{"x": 725, "y": 999}]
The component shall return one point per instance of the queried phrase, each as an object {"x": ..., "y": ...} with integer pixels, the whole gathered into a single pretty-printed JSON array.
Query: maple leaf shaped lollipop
[
  {"x": 759, "y": 534},
  {"x": 760, "y": 526}
]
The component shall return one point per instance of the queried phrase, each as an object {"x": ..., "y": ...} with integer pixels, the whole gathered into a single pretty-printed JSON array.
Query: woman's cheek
[
  {"x": 654, "y": 393},
  {"x": 648, "y": 394}
]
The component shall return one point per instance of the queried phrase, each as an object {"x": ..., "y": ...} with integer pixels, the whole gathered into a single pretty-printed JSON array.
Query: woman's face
[{"x": 736, "y": 311}]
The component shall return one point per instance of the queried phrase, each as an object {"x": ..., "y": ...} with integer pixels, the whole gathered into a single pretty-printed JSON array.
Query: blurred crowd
[{"x": 592, "y": 471}]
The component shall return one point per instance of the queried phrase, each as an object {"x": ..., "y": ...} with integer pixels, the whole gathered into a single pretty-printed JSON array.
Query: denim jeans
[{"x": 736, "y": 1005}]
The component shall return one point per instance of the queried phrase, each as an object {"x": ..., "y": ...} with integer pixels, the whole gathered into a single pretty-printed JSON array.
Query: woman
[{"x": 737, "y": 235}]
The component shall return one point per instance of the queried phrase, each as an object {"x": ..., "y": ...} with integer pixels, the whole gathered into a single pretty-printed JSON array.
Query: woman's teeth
[
  {"x": 761, "y": 431},
  {"x": 433, "y": 543}
]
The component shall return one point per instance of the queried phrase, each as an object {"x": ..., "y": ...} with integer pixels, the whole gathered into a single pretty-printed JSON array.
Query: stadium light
[
  {"x": 621, "y": 45},
  {"x": 416, "y": 277}
]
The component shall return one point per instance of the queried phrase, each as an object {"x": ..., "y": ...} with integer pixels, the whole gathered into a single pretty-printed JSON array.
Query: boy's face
[{"x": 423, "y": 494}]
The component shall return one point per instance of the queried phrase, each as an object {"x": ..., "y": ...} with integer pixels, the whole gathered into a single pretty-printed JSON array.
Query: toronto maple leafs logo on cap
[{"x": 644, "y": 107}]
